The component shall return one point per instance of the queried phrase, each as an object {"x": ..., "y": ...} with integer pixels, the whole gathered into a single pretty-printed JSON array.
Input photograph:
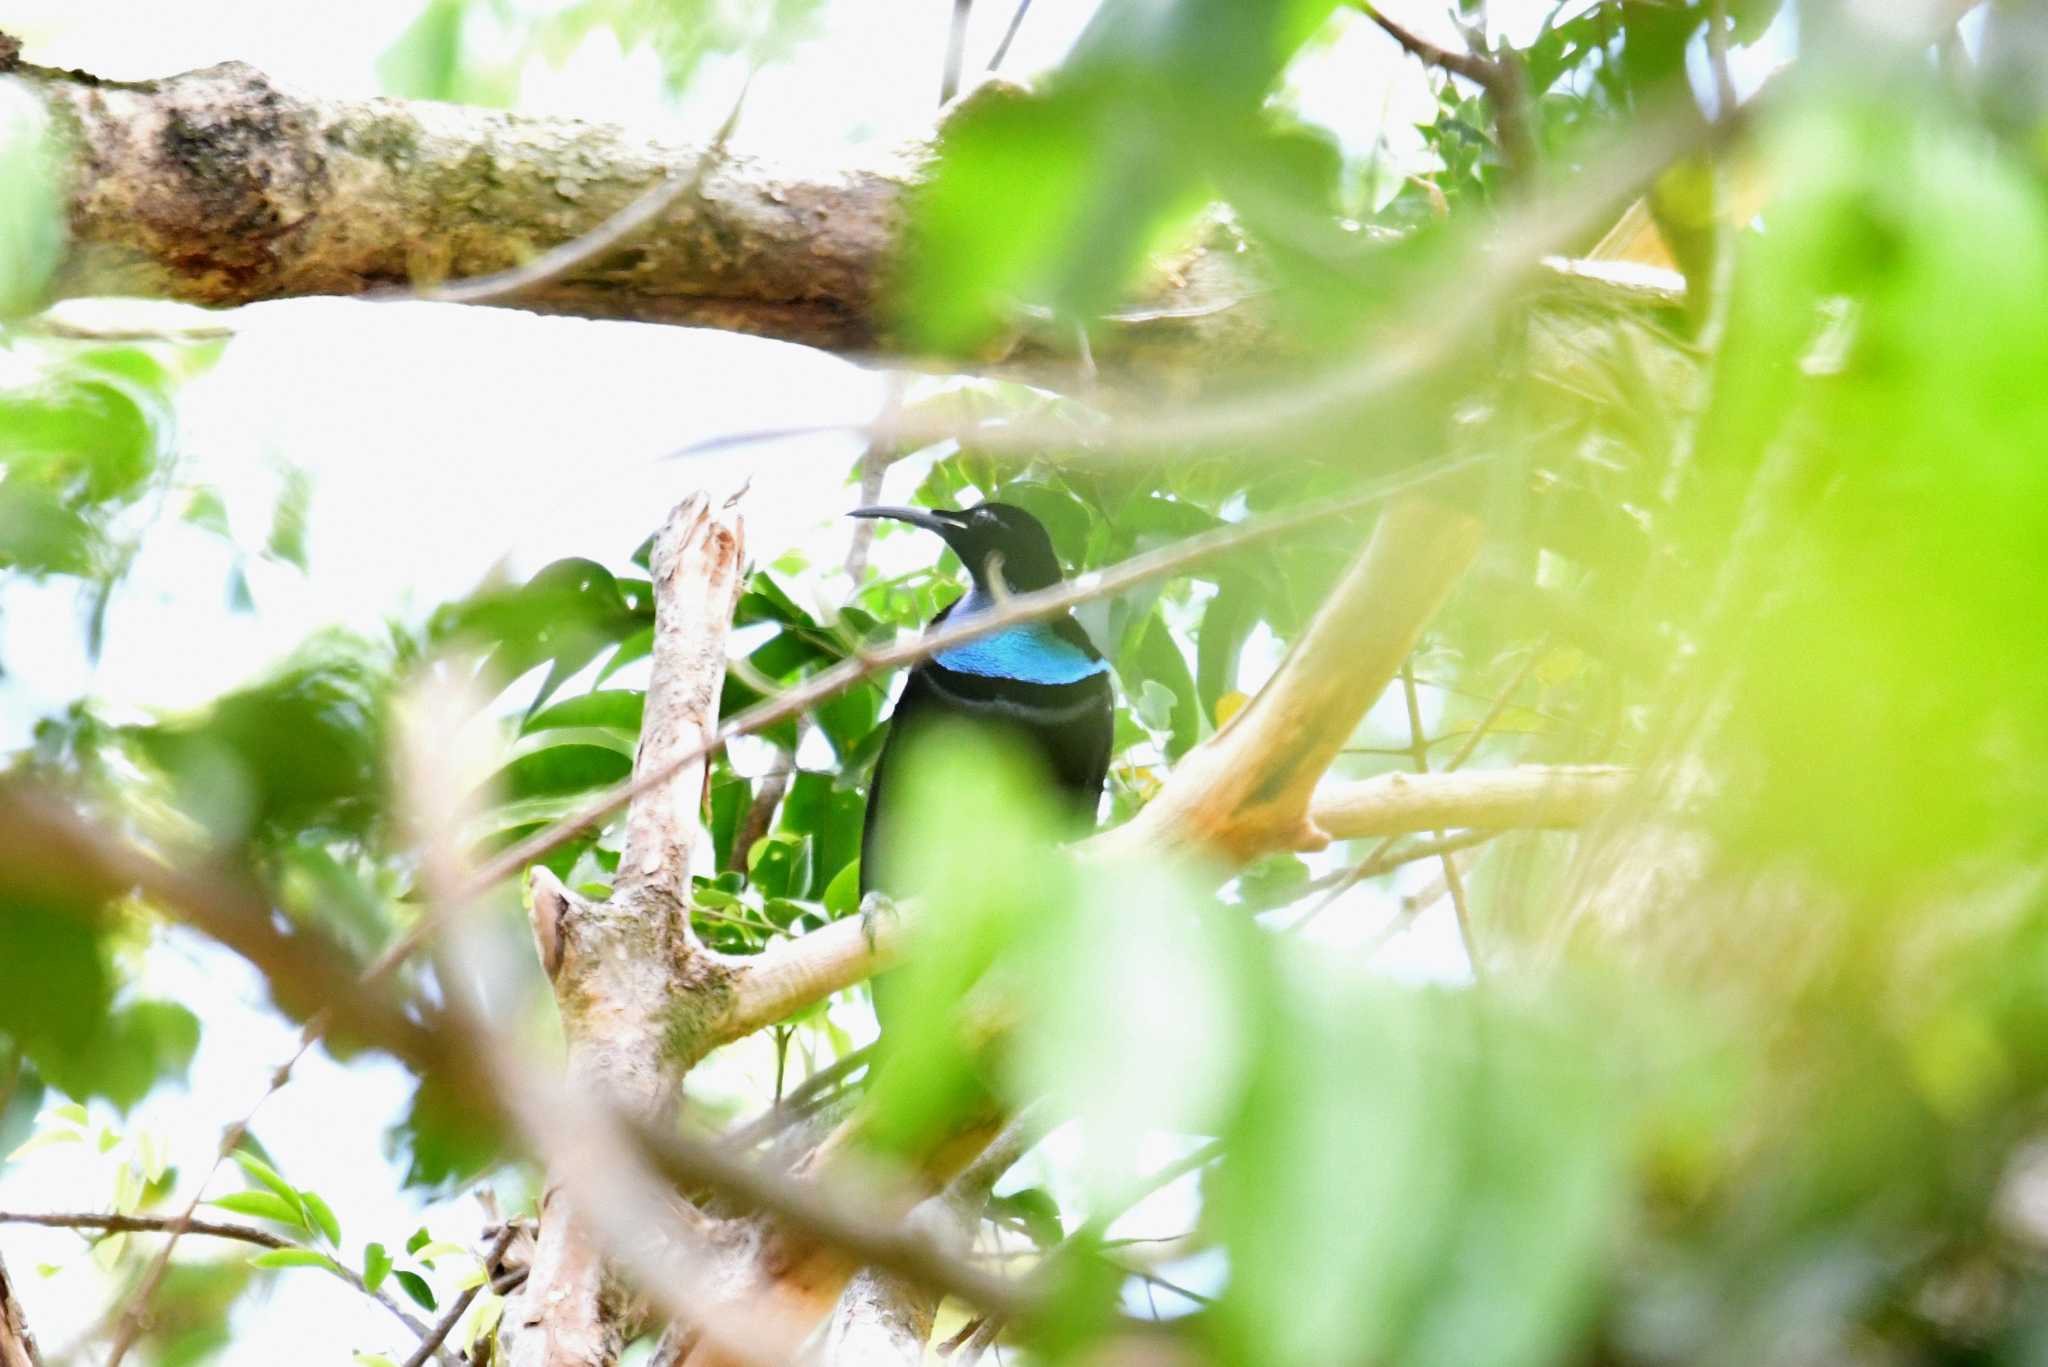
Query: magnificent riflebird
[{"x": 1044, "y": 682}]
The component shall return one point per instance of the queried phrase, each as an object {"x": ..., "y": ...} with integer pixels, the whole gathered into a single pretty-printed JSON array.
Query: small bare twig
[
  {"x": 214, "y": 1229},
  {"x": 874, "y": 464},
  {"x": 144, "y": 1224},
  {"x": 1371, "y": 866},
  {"x": 1725, "y": 98},
  {"x": 1009, "y": 34},
  {"x": 134, "y": 1317},
  {"x": 1450, "y": 863},
  {"x": 797, "y": 1104},
  {"x": 443, "y": 1327},
  {"x": 1501, "y": 77},
  {"x": 956, "y": 51}
]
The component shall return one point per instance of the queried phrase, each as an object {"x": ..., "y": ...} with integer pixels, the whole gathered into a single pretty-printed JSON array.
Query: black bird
[{"x": 1043, "y": 682}]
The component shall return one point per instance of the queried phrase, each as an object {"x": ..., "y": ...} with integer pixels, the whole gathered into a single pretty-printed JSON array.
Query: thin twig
[
  {"x": 1343, "y": 879},
  {"x": 1501, "y": 77},
  {"x": 133, "y": 1316},
  {"x": 761, "y": 811},
  {"x": 144, "y": 1224},
  {"x": 1009, "y": 34},
  {"x": 797, "y": 1104},
  {"x": 1088, "y": 1238},
  {"x": 835, "y": 1218},
  {"x": 1378, "y": 861},
  {"x": 445, "y": 1326},
  {"x": 215, "y": 1229},
  {"x": 1717, "y": 57},
  {"x": 956, "y": 51},
  {"x": 1451, "y": 878},
  {"x": 874, "y": 464}
]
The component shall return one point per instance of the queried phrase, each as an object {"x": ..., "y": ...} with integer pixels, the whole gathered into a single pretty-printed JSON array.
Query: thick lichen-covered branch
[{"x": 220, "y": 187}]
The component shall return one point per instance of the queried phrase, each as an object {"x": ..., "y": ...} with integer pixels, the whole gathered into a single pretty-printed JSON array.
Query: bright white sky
[{"x": 437, "y": 439}]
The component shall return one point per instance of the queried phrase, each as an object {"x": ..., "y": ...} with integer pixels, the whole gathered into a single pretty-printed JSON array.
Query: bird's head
[{"x": 1001, "y": 532}]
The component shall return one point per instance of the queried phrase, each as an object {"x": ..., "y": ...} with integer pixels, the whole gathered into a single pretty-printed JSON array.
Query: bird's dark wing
[{"x": 1069, "y": 630}]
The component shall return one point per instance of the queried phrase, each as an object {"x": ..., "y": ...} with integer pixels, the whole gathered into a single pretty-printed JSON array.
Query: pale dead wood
[
  {"x": 628, "y": 973},
  {"x": 1528, "y": 797},
  {"x": 1248, "y": 788},
  {"x": 791, "y": 974}
]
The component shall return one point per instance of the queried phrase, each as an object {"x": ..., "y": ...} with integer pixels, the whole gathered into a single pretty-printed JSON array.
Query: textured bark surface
[
  {"x": 220, "y": 187},
  {"x": 634, "y": 987},
  {"x": 17, "y": 1345}
]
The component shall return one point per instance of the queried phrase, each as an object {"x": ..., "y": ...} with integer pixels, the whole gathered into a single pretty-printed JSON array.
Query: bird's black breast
[{"x": 1068, "y": 726}]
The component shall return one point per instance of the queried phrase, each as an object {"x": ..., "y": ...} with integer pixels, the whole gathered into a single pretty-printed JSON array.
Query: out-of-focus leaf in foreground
[
  {"x": 1053, "y": 199},
  {"x": 977, "y": 849},
  {"x": 31, "y": 203},
  {"x": 1401, "y": 1159}
]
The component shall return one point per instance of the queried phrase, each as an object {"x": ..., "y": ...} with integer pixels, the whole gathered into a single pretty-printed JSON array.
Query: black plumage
[{"x": 1044, "y": 683}]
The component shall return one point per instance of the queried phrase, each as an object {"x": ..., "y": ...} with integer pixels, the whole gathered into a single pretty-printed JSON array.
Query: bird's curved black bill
[{"x": 929, "y": 519}]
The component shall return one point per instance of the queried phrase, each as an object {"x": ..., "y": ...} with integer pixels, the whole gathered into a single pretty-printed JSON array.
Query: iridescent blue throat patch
[{"x": 1033, "y": 653}]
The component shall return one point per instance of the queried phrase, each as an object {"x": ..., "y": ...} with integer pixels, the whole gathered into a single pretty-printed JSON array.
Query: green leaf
[
  {"x": 1036, "y": 1209},
  {"x": 425, "y": 62},
  {"x": 445, "y": 1141},
  {"x": 1054, "y": 199},
  {"x": 842, "y": 894},
  {"x": 264, "y": 1205},
  {"x": 262, "y": 1172},
  {"x": 482, "y": 1319},
  {"x": 619, "y": 709},
  {"x": 288, "y": 523},
  {"x": 31, "y": 203},
  {"x": 44, "y": 1139},
  {"x": 416, "y": 1287},
  {"x": 376, "y": 1265},
  {"x": 1148, "y": 967},
  {"x": 780, "y": 865},
  {"x": 294, "y": 1257},
  {"x": 322, "y": 1216},
  {"x": 1405, "y": 1155},
  {"x": 561, "y": 768},
  {"x": 439, "y": 1248}
]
